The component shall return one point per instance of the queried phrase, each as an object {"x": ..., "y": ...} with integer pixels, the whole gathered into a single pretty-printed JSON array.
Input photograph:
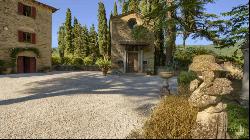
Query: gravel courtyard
[{"x": 75, "y": 104}]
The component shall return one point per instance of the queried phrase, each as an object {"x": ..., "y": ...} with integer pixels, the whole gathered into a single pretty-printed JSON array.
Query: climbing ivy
[
  {"x": 139, "y": 32},
  {"x": 15, "y": 51}
]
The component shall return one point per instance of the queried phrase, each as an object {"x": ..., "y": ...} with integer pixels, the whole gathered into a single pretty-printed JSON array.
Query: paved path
[{"x": 75, "y": 104}]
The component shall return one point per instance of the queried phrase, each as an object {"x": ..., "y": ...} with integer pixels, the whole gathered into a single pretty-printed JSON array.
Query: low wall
[{"x": 75, "y": 68}]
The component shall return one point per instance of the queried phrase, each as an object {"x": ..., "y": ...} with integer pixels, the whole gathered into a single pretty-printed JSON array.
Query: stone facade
[
  {"x": 11, "y": 21},
  {"x": 122, "y": 42}
]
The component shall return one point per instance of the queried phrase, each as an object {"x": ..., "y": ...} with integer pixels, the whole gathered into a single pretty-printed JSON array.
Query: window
[
  {"x": 26, "y": 10},
  {"x": 26, "y": 37},
  {"x": 132, "y": 23}
]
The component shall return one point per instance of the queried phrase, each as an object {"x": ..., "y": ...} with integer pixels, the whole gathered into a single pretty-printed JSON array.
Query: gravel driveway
[{"x": 75, "y": 104}]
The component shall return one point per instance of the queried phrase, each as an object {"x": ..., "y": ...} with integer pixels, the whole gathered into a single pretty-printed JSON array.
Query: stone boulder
[{"x": 211, "y": 122}]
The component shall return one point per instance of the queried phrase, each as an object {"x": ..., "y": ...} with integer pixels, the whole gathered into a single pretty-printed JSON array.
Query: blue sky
[{"x": 86, "y": 12}]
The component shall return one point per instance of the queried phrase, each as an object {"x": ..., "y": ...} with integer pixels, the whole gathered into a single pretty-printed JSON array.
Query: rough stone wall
[
  {"x": 120, "y": 31},
  {"x": 11, "y": 22}
]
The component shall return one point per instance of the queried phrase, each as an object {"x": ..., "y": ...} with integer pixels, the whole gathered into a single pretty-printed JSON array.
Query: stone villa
[
  {"x": 130, "y": 55},
  {"x": 25, "y": 31}
]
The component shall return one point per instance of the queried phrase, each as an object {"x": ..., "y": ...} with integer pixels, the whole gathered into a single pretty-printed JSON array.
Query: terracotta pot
[{"x": 166, "y": 75}]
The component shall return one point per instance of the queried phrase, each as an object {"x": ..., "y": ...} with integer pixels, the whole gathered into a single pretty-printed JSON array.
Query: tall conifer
[
  {"x": 102, "y": 31},
  {"x": 68, "y": 32}
]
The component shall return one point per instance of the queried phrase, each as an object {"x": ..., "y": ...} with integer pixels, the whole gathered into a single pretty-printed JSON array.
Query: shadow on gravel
[{"x": 91, "y": 83}]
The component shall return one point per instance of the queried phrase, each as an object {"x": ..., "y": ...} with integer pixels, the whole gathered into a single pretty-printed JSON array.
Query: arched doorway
[{"x": 26, "y": 64}]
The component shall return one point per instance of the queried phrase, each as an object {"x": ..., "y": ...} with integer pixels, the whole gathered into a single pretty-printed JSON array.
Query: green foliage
[
  {"x": 56, "y": 60},
  {"x": 66, "y": 60},
  {"x": 93, "y": 42},
  {"x": 2, "y": 64},
  {"x": 61, "y": 40},
  {"x": 237, "y": 26},
  {"x": 124, "y": 7},
  {"x": 68, "y": 33},
  {"x": 139, "y": 32},
  {"x": 103, "y": 63},
  {"x": 185, "y": 77},
  {"x": 115, "y": 9},
  {"x": 15, "y": 51},
  {"x": 133, "y": 5},
  {"x": 184, "y": 57},
  {"x": 237, "y": 122},
  {"x": 77, "y": 61},
  {"x": 88, "y": 61},
  {"x": 237, "y": 61},
  {"x": 172, "y": 118},
  {"x": 102, "y": 31}
]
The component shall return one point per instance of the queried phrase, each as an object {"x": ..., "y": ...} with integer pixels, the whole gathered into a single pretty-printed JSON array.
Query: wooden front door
[
  {"x": 132, "y": 62},
  {"x": 20, "y": 64},
  {"x": 26, "y": 64},
  {"x": 32, "y": 66}
]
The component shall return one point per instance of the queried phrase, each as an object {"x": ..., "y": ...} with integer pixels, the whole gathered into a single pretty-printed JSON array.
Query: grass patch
[{"x": 237, "y": 121}]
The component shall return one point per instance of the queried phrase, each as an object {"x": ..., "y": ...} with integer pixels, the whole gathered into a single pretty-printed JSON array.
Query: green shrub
[
  {"x": 56, "y": 60},
  {"x": 77, "y": 61},
  {"x": 185, "y": 77},
  {"x": 184, "y": 57},
  {"x": 237, "y": 61},
  {"x": 88, "y": 61},
  {"x": 237, "y": 122},
  {"x": 103, "y": 63},
  {"x": 172, "y": 118},
  {"x": 67, "y": 60},
  {"x": 2, "y": 63}
]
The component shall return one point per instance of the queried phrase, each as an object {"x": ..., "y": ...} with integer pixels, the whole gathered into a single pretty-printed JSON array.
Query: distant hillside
[{"x": 225, "y": 51}]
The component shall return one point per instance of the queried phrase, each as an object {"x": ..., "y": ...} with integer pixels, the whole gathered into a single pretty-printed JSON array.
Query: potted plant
[{"x": 104, "y": 65}]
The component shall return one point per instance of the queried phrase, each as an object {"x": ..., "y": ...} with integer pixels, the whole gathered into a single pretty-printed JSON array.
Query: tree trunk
[
  {"x": 245, "y": 81},
  {"x": 170, "y": 34},
  {"x": 185, "y": 36}
]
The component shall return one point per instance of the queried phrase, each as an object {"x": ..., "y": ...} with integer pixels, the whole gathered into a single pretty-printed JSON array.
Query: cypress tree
[
  {"x": 61, "y": 41},
  {"x": 133, "y": 5},
  {"x": 68, "y": 36},
  {"x": 109, "y": 36},
  {"x": 93, "y": 42},
  {"x": 102, "y": 31},
  {"x": 85, "y": 41},
  {"x": 115, "y": 9},
  {"x": 124, "y": 7},
  {"x": 77, "y": 40}
]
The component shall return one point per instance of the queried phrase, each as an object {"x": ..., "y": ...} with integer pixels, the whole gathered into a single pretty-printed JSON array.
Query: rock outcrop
[{"x": 211, "y": 122}]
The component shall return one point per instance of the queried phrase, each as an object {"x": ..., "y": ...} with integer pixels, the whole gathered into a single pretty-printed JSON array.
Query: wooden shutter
[
  {"x": 33, "y": 12},
  {"x": 33, "y": 38},
  {"x": 20, "y": 36},
  {"x": 20, "y": 8}
]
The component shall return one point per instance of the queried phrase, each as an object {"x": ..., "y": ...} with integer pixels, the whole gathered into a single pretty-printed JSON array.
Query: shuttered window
[
  {"x": 26, "y": 10},
  {"x": 26, "y": 37}
]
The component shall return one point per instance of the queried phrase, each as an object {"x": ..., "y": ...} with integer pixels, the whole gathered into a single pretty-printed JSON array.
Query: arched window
[{"x": 132, "y": 23}]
